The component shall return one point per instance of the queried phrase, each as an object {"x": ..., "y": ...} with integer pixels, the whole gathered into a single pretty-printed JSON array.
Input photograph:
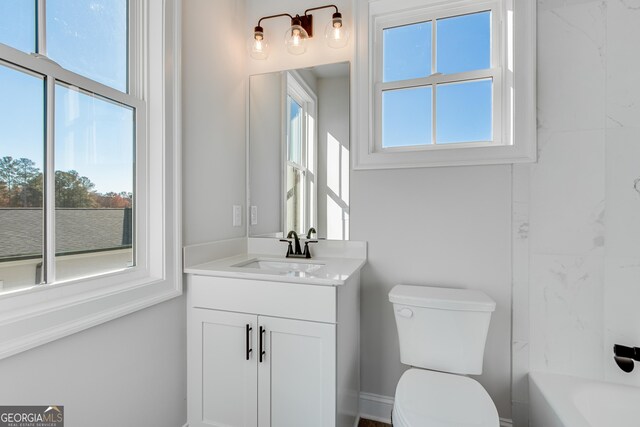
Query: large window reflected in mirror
[
  {"x": 300, "y": 197},
  {"x": 299, "y": 152}
]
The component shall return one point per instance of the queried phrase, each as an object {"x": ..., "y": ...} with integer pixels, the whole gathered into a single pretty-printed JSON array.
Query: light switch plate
[
  {"x": 237, "y": 215},
  {"x": 254, "y": 215}
]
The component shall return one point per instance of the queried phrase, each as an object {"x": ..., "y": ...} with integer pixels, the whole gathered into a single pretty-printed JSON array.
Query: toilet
[{"x": 442, "y": 334}]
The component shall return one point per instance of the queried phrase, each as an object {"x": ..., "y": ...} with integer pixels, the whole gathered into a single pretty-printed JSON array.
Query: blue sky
[
  {"x": 93, "y": 136},
  {"x": 463, "y": 110}
]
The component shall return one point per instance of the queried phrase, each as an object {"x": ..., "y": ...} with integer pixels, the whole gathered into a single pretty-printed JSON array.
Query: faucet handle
[
  {"x": 290, "y": 248},
  {"x": 307, "y": 252}
]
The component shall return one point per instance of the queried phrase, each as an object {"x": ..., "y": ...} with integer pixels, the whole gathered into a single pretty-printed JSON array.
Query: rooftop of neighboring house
[{"x": 77, "y": 231}]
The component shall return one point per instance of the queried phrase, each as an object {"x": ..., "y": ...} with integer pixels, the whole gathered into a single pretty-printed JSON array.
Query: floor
[{"x": 369, "y": 423}]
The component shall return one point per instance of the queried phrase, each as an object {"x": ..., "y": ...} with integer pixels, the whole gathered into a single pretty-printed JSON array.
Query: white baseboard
[{"x": 378, "y": 408}]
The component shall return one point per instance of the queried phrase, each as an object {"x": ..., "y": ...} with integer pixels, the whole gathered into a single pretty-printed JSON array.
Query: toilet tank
[{"x": 442, "y": 329}]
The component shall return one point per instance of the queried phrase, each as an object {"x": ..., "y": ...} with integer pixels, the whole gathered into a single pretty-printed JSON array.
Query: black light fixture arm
[
  {"x": 322, "y": 7},
  {"x": 273, "y": 16},
  {"x": 305, "y": 21}
]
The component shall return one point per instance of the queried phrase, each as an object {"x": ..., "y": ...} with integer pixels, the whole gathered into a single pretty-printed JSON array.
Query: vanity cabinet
[
  {"x": 228, "y": 382},
  {"x": 264, "y": 354}
]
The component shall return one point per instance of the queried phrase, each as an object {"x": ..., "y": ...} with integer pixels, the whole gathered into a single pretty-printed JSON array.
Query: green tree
[
  {"x": 25, "y": 170},
  {"x": 21, "y": 185},
  {"x": 8, "y": 172},
  {"x": 26, "y": 174},
  {"x": 34, "y": 191},
  {"x": 17, "y": 177},
  {"x": 74, "y": 191},
  {"x": 5, "y": 200}
]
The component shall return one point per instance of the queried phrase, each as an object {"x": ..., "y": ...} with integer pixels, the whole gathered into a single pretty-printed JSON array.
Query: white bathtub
[{"x": 565, "y": 401}]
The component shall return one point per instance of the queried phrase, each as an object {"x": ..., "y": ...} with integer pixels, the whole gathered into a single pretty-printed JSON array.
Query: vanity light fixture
[{"x": 295, "y": 38}]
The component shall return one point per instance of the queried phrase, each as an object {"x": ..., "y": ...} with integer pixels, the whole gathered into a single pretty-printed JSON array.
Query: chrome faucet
[{"x": 297, "y": 252}]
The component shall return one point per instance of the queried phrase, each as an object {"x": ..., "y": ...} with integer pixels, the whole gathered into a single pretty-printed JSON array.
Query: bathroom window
[
  {"x": 300, "y": 148},
  {"x": 441, "y": 84},
  {"x": 88, "y": 156},
  {"x": 438, "y": 83},
  {"x": 67, "y": 197}
]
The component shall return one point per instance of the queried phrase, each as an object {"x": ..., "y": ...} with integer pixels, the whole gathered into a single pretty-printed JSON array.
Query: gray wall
[
  {"x": 265, "y": 167},
  {"x": 127, "y": 372},
  {"x": 333, "y": 164},
  {"x": 213, "y": 118},
  {"x": 439, "y": 227}
]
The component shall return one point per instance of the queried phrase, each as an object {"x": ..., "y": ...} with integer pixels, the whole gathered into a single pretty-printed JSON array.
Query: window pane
[
  {"x": 294, "y": 132},
  {"x": 21, "y": 165},
  {"x": 18, "y": 24},
  {"x": 464, "y": 112},
  {"x": 89, "y": 37},
  {"x": 406, "y": 117},
  {"x": 295, "y": 199},
  {"x": 94, "y": 184},
  {"x": 464, "y": 43},
  {"x": 407, "y": 52}
]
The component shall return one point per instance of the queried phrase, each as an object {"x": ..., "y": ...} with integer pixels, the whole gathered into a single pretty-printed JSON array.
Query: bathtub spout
[
  {"x": 624, "y": 356},
  {"x": 624, "y": 363}
]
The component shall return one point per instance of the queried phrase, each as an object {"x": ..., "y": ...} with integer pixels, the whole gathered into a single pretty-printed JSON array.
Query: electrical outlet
[
  {"x": 254, "y": 215},
  {"x": 237, "y": 215}
]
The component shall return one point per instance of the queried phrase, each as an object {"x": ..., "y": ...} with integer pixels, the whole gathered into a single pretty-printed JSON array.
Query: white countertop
[{"x": 334, "y": 272}]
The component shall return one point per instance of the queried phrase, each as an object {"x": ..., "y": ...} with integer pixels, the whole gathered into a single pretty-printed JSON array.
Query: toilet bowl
[
  {"x": 442, "y": 335},
  {"x": 435, "y": 399}
]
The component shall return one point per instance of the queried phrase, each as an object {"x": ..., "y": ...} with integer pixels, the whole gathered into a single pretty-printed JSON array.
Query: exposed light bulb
[
  {"x": 336, "y": 34},
  {"x": 258, "y": 46},
  {"x": 296, "y": 39}
]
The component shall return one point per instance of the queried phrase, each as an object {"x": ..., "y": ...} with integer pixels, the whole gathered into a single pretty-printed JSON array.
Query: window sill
[
  {"x": 449, "y": 156},
  {"x": 42, "y": 314}
]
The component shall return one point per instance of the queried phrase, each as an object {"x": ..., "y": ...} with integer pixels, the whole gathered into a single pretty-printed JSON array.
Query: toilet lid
[{"x": 435, "y": 399}]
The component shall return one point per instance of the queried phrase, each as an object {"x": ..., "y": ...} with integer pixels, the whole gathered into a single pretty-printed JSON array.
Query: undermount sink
[{"x": 283, "y": 267}]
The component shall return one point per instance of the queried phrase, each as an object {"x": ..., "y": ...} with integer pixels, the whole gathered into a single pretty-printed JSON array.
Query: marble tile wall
[
  {"x": 576, "y": 212},
  {"x": 622, "y": 219}
]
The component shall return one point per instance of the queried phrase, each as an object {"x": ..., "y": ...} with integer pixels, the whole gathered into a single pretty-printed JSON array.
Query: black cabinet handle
[
  {"x": 248, "y": 338},
  {"x": 262, "y": 352}
]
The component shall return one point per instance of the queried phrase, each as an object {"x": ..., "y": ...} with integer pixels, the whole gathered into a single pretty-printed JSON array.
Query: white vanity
[{"x": 273, "y": 341}]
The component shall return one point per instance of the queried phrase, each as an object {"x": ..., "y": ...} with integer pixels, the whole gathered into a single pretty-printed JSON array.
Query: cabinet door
[
  {"x": 222, "y": 382},
  {"x": 297, "y": 374}
]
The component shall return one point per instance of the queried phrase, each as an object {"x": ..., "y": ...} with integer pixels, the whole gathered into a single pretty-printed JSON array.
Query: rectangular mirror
[{"x": 298, "y": 148}]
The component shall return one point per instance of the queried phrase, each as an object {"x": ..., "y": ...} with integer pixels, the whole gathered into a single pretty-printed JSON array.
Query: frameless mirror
[{"x": 299, "y": 152}]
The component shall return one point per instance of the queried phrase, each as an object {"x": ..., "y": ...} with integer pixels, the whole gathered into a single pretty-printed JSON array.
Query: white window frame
[
  {"x": 39, "y": 314},
  {"x": 494, "y": 73},
  {"x": 513, "y": 71},
  {"x": 295, "y": 86}
]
